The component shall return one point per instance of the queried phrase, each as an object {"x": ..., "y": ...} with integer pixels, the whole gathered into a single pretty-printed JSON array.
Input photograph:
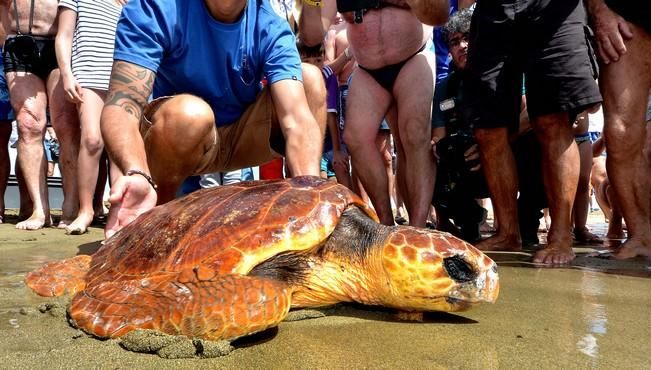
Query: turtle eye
[{"x": 458, "y": 269}]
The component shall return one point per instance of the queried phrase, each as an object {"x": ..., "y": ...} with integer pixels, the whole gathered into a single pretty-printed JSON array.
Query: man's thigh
[
  {"x": 366, "y": 105},
  {"x": 625, "y": 84},
  {"x": 256, "y": 138},
  {"x": 28, "y": 95},
  {"x": 414, "y": 91}
]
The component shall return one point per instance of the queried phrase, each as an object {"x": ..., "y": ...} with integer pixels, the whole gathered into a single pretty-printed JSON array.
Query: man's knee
[
  {"x": 184, "y": 120},
  {"x": 94, "y": 144},
  {"x": 552, "y": 127},
  {"x": 620, "y": 145},
  {"x": 30, "y": 127},
  {"x": 415, "y": 134}
]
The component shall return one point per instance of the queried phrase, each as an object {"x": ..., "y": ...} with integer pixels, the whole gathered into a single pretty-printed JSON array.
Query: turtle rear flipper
[
  {"x": 59, "y": 278},
  {"x": 187, "y": 304}
]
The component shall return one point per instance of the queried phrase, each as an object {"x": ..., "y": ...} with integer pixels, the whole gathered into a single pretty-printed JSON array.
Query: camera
[
  {"x": 454, "y": 172},
  {"x": 451, "y": 151},
  {"x": 358, "y": 7}
]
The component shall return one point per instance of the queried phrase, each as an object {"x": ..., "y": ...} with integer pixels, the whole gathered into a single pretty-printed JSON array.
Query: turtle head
[{"x": 434, "y": 271}]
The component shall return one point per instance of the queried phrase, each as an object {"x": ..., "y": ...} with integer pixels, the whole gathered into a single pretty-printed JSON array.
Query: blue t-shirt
[{"x": 191, "y": 52}]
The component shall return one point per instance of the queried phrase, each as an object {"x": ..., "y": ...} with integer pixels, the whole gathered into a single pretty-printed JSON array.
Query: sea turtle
[{"x": 225, "y": 262}]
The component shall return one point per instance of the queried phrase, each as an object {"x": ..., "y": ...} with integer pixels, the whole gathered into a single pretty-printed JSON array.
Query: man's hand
[
  {"x": 472, "y": 154},
  {"x": 434, "y": 152},
  {"x": 130, "y": 197},
  {"x": 610, "y": 32}
]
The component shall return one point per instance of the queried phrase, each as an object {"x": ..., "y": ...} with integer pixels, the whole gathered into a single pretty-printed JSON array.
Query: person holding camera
[
  {"x": 395, "y": 79},
  {"x": 459, "y": 181},
  {"x": 31, "y": 70},
  {"x": 460, "y": 178}
]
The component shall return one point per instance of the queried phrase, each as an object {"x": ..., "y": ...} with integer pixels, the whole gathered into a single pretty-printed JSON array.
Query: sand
[{"x": 548, "y": 318}]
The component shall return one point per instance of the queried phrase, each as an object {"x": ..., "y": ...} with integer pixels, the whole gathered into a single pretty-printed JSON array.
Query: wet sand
[{"x": 594, "y": 315}]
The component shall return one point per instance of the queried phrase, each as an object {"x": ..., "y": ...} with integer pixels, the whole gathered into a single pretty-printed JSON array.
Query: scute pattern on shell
[{"x": 243, "y": 225}]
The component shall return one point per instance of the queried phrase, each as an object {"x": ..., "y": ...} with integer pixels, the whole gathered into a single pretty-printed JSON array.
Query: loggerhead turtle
[{"x": 225, "y": 262}]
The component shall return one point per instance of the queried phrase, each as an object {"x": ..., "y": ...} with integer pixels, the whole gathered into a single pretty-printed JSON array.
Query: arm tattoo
[{"x": 130, "y": 87}]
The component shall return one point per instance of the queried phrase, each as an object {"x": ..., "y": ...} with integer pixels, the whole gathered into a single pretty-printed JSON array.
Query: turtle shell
[{"x": 225, "y": 230}]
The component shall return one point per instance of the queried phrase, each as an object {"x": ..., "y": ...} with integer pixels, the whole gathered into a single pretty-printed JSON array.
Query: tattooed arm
[{"x": 129, "y": 89}]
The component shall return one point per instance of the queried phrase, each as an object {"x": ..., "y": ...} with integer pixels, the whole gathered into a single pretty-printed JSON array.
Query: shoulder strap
[
  {"x": 16, "y": 16},
  {"x": 31, "y": 18}
]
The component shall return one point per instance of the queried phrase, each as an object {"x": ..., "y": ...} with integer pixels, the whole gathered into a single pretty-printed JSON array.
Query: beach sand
[{"x": 595, "y": 314}]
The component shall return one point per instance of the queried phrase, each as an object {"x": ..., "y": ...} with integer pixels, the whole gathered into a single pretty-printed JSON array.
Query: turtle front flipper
[
  {"x": 193, "y": 303},
  {"x": 59, "y": 278}
]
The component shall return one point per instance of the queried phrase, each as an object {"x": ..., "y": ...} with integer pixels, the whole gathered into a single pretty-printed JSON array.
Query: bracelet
[
  {"x": 347, "y": 53},
  {"x": 145, "y": 175},
  {"x": 316, "y": 3}
]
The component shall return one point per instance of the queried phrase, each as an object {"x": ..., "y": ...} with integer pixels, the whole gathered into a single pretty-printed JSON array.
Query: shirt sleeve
[
  {"x": 70, "y": 4},
  {"x": 282, "y": 61},
  {"x": 144, "y": 32}
]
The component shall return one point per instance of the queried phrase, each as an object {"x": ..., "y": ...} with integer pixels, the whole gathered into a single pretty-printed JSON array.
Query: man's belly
[
  {"x": 387, "y": 36},
  {"x": 44, "y": 21}
]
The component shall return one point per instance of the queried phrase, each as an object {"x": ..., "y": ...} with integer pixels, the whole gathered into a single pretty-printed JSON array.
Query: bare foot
[
  {"x": 35, "y": 222},
  {"x": 79, "y": 225},
  {"x": 500, "y": 242},
  {"x": 555, "y": 253},
  {"x": 64, "y": 223},
  {"x": 633, "y": 248}
]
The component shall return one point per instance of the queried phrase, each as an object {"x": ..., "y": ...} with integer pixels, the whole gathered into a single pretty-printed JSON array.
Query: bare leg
[
  {"x": 413, "y": 91},
  {"x": 183, "y": 130},
  {"x": 383, "y": 143},
  {"x": 582, "y": 200},
  {"x": 616, "y": 225},
  {"x": 26, "y": 205},
  {"x": 366, "y": 107},
  {"x": 28, "y": 99},
  {"x": 90, "y": 151},
  {"x": 66, "y": 125},
  {"x": 560, "y": 158},
  {"x": 502, "y": 180},
  {"x": 625, "y": 88},
  {"x": 5, "y": 164}
]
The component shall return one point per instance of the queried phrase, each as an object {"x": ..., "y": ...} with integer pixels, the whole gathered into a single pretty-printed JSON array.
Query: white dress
[{"x": 93, "y": 41}]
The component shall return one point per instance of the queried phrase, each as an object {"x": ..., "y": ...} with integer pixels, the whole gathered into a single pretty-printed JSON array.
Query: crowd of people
[{"x": 433, "y": 106}]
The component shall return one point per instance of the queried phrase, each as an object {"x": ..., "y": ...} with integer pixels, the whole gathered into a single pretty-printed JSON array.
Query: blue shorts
[{"x": 6, "y": 113}]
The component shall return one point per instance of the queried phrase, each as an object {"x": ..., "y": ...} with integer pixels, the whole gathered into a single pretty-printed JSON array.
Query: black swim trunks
[
  {"x": 387, "y": 75},
  {"x": 38, "y": 57},
  {"x": 547, "y": 41}
]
